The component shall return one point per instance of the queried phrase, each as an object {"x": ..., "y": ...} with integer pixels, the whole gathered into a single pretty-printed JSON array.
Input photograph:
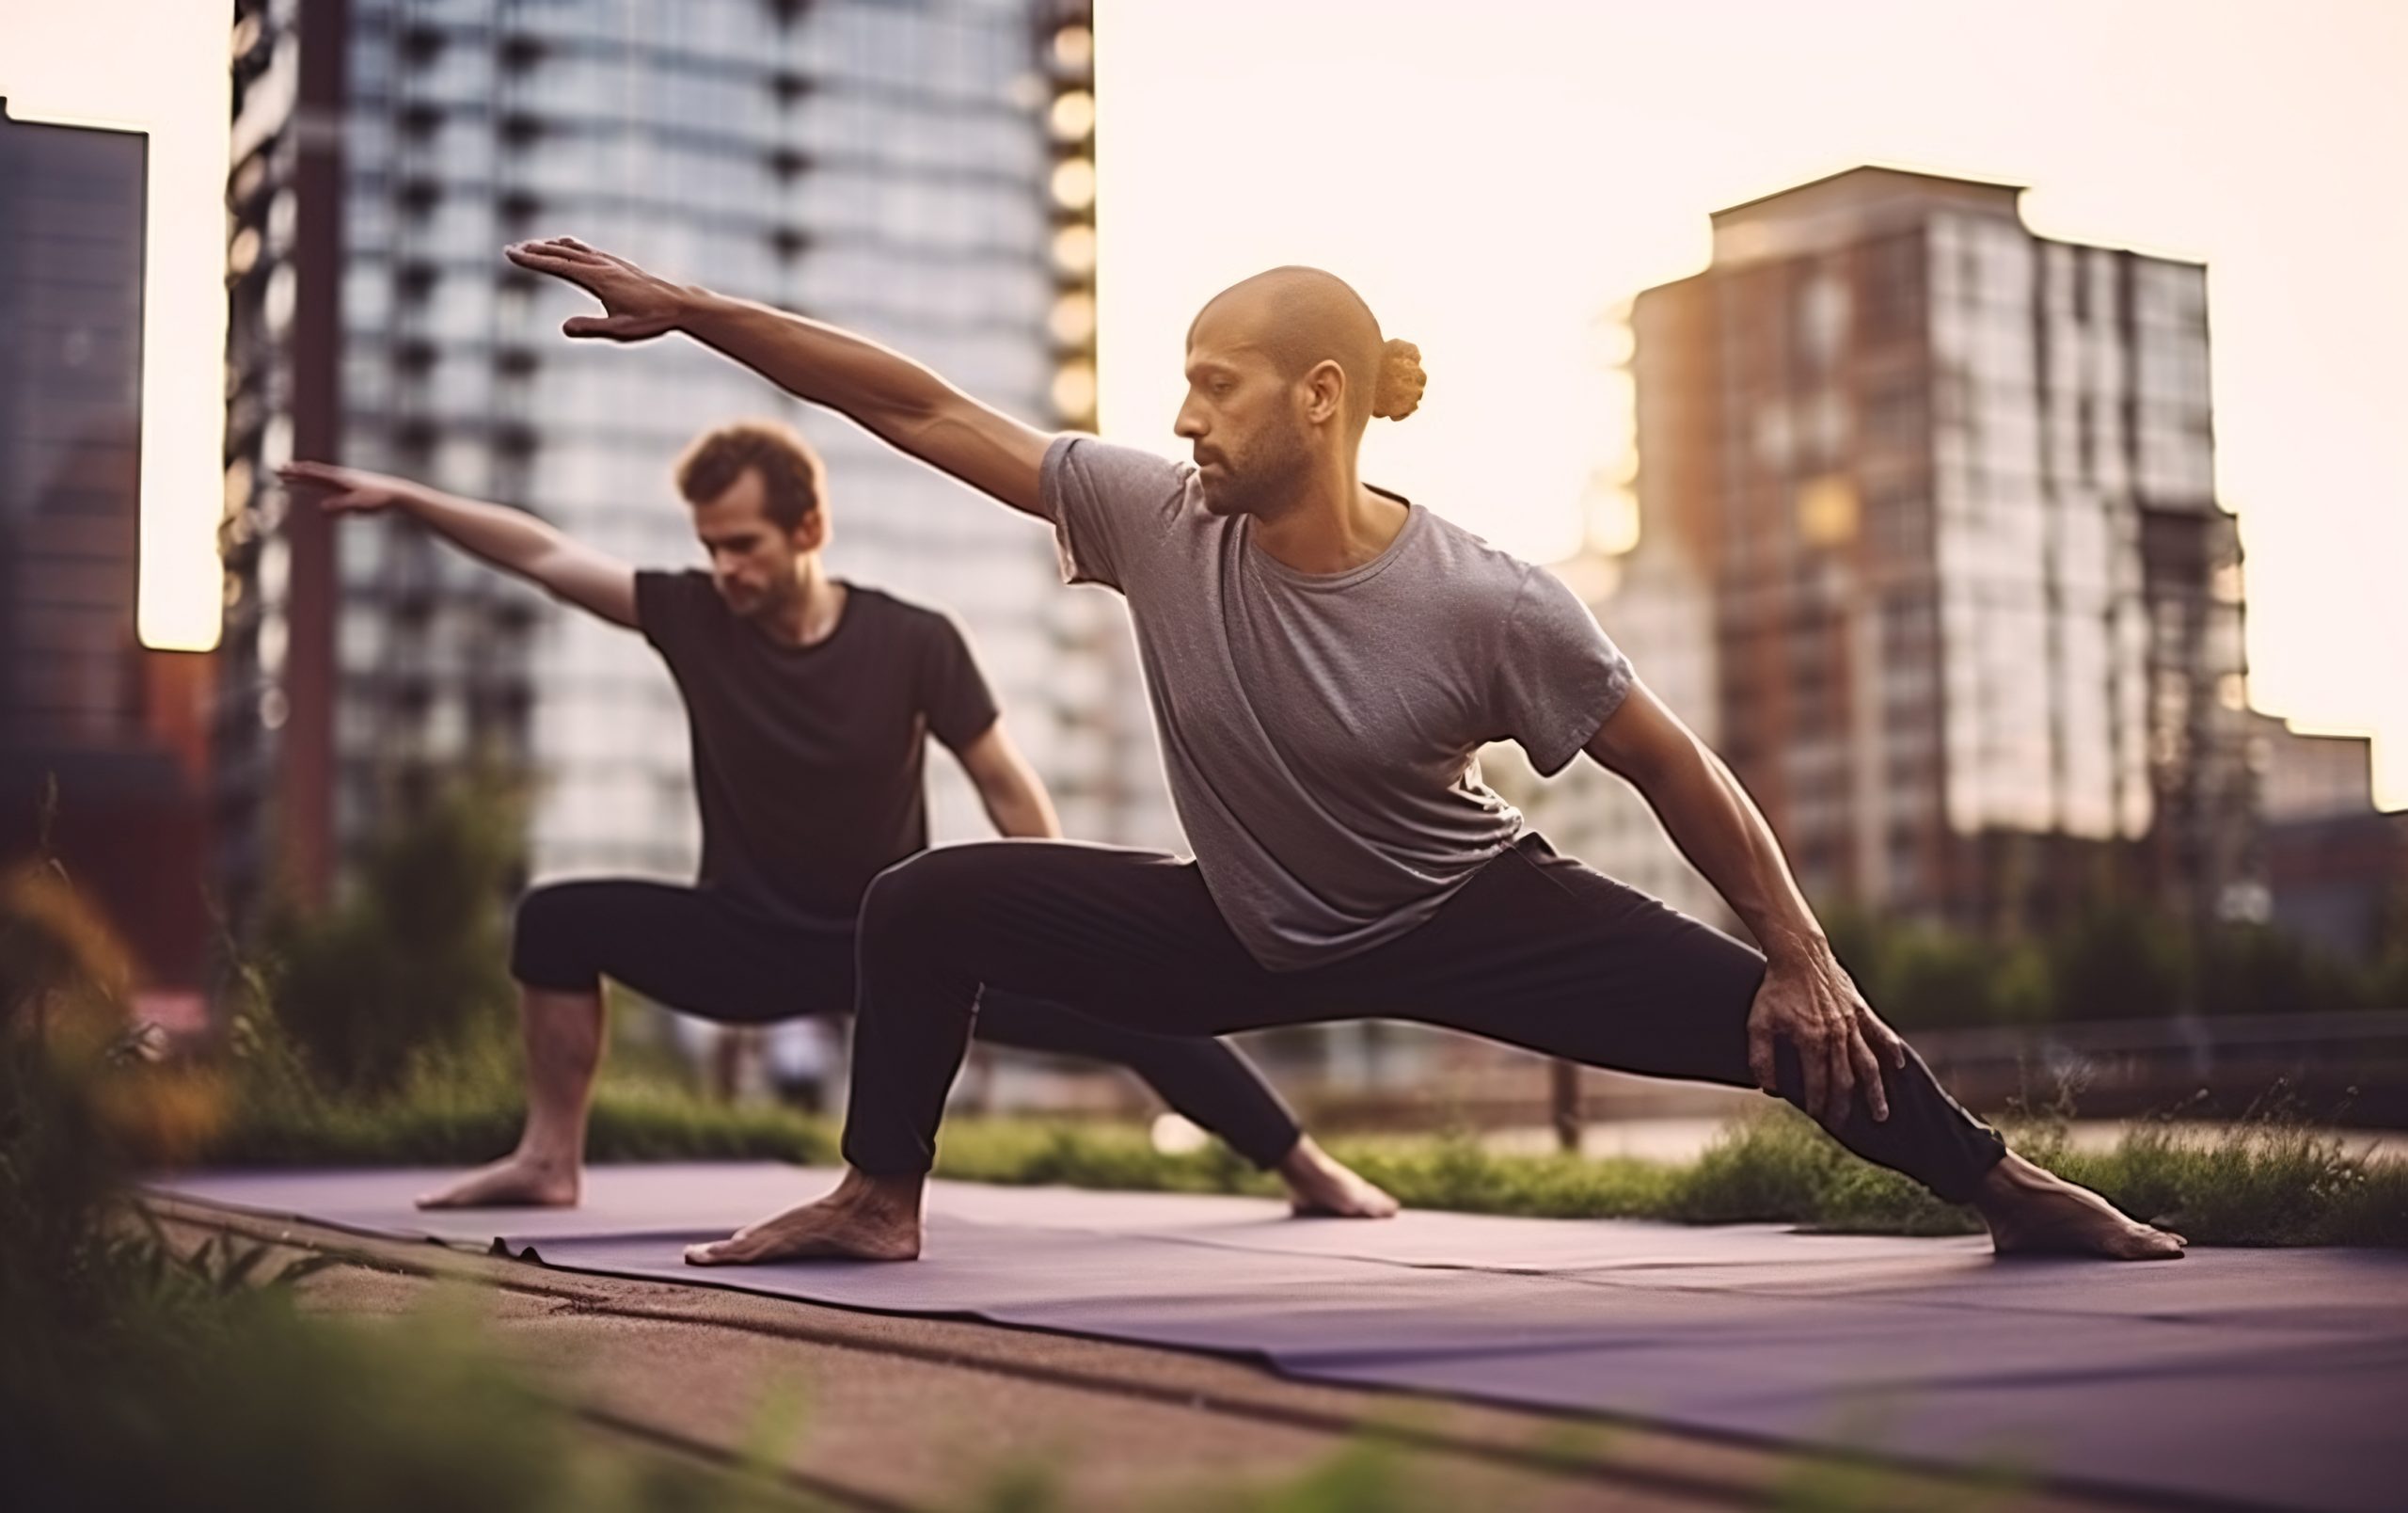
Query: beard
[{"x": 1262, "y": 481}]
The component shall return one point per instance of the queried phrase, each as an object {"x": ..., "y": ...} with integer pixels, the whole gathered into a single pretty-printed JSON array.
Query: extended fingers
[
  {"x": 1813, "y": 1062},
  {"x": 1868, "y": 1072},
  {"x": 1760, "y": 1055},
  {"x": 563, "y": 254},
  {"x": 1893, "y": 1046},
  {"x": 550, "y": 257},
  {"x": 1841, "y": 1080}
]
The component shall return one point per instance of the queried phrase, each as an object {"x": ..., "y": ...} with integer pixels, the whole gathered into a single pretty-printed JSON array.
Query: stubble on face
[{"x": 1260, "y": 480}]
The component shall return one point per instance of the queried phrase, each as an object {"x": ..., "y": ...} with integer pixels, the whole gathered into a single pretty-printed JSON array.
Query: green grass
[
  {"x": 2264, "y": 1183},
  {"x": 443, "y": 1126}
]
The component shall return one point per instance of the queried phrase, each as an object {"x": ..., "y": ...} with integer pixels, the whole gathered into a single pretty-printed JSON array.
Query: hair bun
[{"x": 1398, "y": 392}]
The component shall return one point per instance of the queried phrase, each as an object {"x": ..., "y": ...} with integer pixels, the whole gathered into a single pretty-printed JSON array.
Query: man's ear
[
  {"x": 1324, "y": 390},
  {"x": 813, "y": 532}
]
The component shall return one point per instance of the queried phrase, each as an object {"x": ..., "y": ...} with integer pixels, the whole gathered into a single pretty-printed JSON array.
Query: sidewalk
[
  {"x": 2262, "y": 1377},
  {"x": 923, "y": 1413}
]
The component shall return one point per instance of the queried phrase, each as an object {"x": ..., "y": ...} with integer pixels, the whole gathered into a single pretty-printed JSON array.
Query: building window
[
  {"x": 1893, "y": 415},
  {"x": 1893, "y": 294}
]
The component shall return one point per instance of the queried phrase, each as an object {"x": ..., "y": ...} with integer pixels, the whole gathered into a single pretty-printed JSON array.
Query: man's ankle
[
  {"x": 2011, "y": 1181},
  {"x": 899, "y": 1192},
  {"x": 1302, "y": 1157},
  {"x": 547, "y": 1158}
]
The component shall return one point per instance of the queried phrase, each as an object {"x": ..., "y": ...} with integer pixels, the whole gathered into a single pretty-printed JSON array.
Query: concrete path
[{"x": 904, "y": 1413}]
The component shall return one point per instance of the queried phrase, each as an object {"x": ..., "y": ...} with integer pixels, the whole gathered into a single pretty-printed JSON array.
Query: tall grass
[
  {"x": 135, "y": 1374},
  {"x": 2268, "y": 1180}
]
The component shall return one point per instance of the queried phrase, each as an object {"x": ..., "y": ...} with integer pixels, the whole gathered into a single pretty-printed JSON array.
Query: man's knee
[
  {"x": 554, "y": 937},
  {"x": 922, "y": 892}
]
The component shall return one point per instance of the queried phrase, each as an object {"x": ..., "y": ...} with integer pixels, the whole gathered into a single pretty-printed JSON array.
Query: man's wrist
[
  {"x": 1790, "y": 948},
  {"x": 691, "y": 304}
]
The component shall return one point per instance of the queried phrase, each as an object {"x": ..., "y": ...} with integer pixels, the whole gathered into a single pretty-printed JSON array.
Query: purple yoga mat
[{"x": 2272, "y": 1377}]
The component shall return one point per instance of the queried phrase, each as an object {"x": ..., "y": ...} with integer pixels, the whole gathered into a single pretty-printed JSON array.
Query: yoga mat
[{"x": 2267, "y": 1377}]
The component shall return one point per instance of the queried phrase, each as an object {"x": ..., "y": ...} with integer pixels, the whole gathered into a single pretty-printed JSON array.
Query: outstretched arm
[
  {"x": 1807, "y": 996},
  {"x": 897, "y": 399},
  {"x": 511, "y": 540}
]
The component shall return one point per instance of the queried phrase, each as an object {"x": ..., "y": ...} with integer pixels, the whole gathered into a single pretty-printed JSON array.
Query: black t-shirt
[{"x": 809, "y": 760}]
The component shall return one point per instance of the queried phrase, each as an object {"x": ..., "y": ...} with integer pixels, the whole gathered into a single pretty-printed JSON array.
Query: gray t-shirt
[{"x": 1321, "y": 731}]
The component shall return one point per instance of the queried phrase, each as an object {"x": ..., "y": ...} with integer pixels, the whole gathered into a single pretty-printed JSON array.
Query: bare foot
[
  {"x": 517, "y": 1182},
  {"x": 866, "y": 1219},
  {"x": 1319, "y": 1187},
  {"x": 2034, "y": 1212}
]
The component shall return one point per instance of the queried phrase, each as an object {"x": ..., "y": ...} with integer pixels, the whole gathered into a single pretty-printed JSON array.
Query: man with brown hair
[{"x": 808, "y": 700}]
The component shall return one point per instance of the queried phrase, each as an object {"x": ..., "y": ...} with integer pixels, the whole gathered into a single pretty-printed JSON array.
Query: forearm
[
  {"x": 510, "y": 539},
  {"x": 1715, "y": 824},
  {"x": 873, "y": 385},
  {"x": 1016, "y": 800},
  {"x": 1023, "y": 809}
]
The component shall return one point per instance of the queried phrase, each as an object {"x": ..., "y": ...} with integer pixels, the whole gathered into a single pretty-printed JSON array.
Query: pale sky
[
  {"x": 1500, "y": 179},
  {"x": 1497, "y": 181}
]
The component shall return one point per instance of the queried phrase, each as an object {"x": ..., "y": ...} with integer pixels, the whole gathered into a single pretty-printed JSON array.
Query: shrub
[
  {"x": 2119, "y": 960},
  {"x": 411, "y": 964}
]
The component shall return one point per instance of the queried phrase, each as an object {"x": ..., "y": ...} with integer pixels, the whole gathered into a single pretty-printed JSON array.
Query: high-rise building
[
  {"x": 2337, "y": 869},
  {"x": 920, "y": 173},
  {"x": 1949, "y": 485},
  {"x": 86, "y": 712},
  {"x": 2306, "y": 774},
  {"x": 1106, "y": 768}
]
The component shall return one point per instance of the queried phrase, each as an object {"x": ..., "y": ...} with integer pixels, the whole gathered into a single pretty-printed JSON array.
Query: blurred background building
[
  {"x": 2337, "y": 867},
  {"x": 923, "y": 174},
  {"x": 115, "y": 727},
  {"x": 1930, "y": 545}
]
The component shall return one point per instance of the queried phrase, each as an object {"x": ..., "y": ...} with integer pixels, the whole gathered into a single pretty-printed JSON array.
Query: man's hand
[
  {"x": 886, "y": 393},
  {"x": 637, "y": 305},
  {"x": 1812, "y": 1002},
  {"x": 350, "y": 491}
]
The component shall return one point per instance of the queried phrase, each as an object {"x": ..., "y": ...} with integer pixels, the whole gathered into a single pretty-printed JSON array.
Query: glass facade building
[
  {"x": 70, "y": 435},
  {"x": 1976, "y": 613},
  {"x": 100, "y": 752},
  {"x": 912, "y": 172}
]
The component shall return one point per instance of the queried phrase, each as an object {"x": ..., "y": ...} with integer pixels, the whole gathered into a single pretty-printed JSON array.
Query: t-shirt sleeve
[
  {"x": 1558, "y": 676},
  {"x": 1111, "y": 506},
  {"x": 669, "y": 607},
  {"x": 953, "y": 692}
]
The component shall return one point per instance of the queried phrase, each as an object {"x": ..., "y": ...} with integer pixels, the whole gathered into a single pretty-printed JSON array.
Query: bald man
[{"x": 1324, "y": 659}]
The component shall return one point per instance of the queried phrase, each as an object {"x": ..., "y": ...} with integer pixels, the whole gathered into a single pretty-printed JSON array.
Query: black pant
[
  {"x": 703, "y": 953},
  {"x": 1536, "y": 950}
]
